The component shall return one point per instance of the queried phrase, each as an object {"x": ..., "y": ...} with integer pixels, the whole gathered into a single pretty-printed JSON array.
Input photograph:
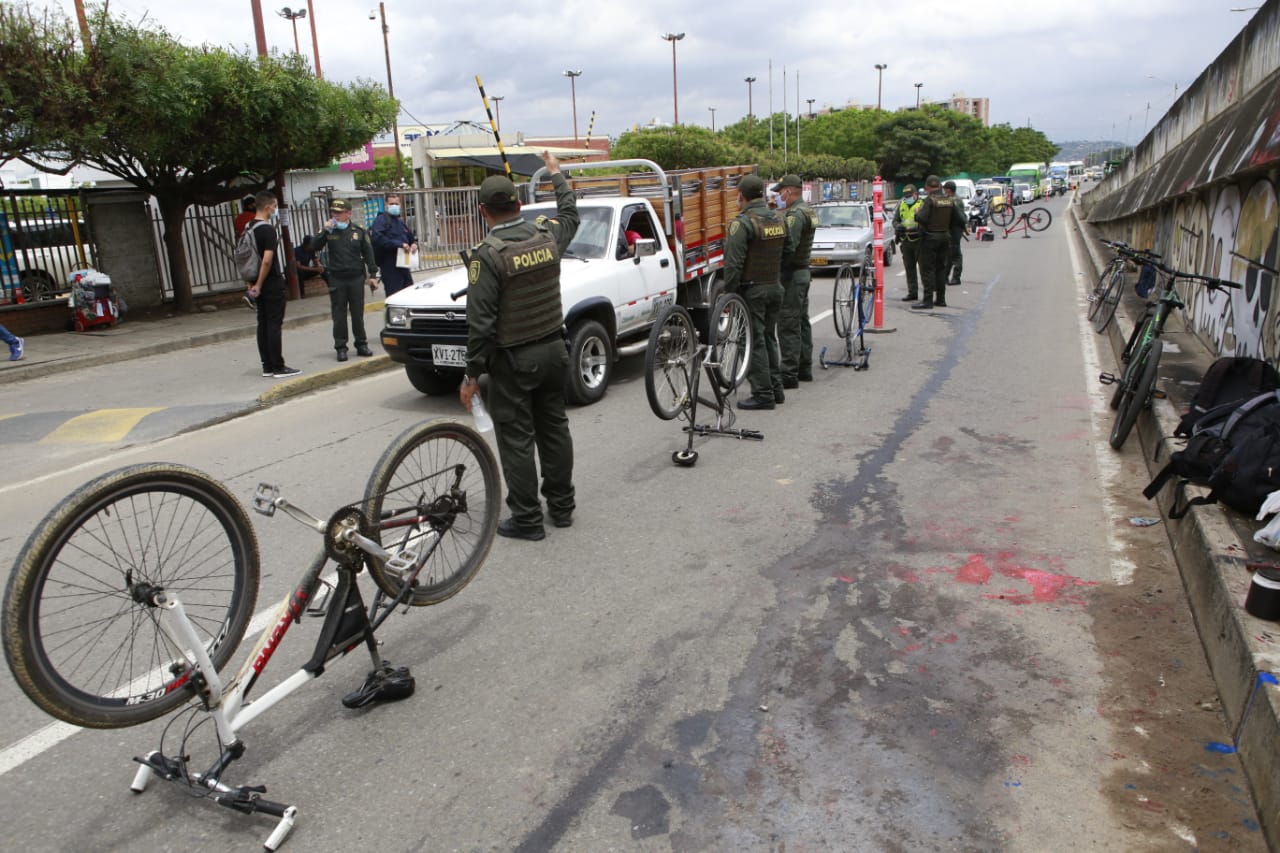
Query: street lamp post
[
  {"x": 675, "y": 95},
  {"x": 292, "y": 16},
  {"x": 750, "y": 115},
  {"x": 713, "y": 119},
  {"x": 497, "y": 109},
  {"x": 395, "y": 122},
  {"x": 880, "y": 67},
  {"x": 810, "y": 101},
  {"x": 573, "y": 95},
  {"x": 918, "y": 85},
  {"x": 315, "y": 42}
]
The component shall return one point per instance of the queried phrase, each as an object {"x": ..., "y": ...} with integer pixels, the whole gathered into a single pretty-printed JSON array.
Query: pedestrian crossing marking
[{"x": 101, "y": 426}]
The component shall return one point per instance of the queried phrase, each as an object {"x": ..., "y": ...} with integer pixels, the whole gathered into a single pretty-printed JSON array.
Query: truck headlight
[{"x": 397, "y": 316}]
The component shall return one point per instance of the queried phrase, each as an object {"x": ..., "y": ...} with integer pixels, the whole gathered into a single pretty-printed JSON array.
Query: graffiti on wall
[{"x": 1233, "y": 233}]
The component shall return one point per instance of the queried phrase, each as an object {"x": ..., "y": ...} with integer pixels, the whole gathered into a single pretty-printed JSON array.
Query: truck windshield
[
  {"x": 593, "y": 239},
  {"x": 843, "y": 216}
]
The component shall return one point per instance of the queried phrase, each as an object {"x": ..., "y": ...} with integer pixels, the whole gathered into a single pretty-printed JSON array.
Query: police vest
[
  {"x": 764, "y": 254},
  {"x": 529, "y": 299},
  {"x": 809, "y": 224},
  {"x": 940, "y": 215},
  {"x": 907, "y": 214}
]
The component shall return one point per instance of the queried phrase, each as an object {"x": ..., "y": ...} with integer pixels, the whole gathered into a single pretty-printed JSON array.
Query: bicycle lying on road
[
  {"x": 675, "y": 361},
  {"x": 852, "y": 299},
  {"x": 133, "y": 593},
  {"x": 1110, "y": 285},
  {"x": 1035, "y": 219},
  {"x": 1137, "y": 386}
]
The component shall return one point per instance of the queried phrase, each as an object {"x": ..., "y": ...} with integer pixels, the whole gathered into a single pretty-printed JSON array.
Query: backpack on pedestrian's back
[
  {"x": 247, "y": 258},
  {"x": 1234, "y": 451},
  {"x": 1229, "y": 381}
]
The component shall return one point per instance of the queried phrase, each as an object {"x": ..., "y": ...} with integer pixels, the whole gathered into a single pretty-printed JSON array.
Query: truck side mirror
[{"x": 646, "y": 247}]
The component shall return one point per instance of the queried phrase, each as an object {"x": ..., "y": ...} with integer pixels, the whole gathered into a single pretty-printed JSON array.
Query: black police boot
[
  {"x": 790, "y": 383},
  {"x": 342, "y": 354},
  {"x": 363, "y": 350},
  {"x": 756, "y": 403},
  {"x": 926, "y": 305},
  {"x": 508, "y": 528}
]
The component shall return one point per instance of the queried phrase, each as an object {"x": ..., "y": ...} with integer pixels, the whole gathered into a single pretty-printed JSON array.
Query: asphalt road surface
[{"x": 916, "y": 617}]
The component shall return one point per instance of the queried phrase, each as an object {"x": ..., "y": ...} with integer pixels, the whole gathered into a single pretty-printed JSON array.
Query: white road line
[{"x": 1122, "y": 568}]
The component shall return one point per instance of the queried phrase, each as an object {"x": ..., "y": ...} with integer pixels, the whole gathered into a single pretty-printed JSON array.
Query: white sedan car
[{"x": 844, "y": 232}]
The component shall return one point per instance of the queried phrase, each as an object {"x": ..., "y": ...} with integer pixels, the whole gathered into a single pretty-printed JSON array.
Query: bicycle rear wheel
[
  {"x": 81, "y": 631},
  {"x": 1038, "y": 218},
  {"x": 1004, "y": 216},
  {"x": 729, "y": 340},
  {"x": 842, "y": 307},
  {"x": 1100, "y": 288},
  {"x": 1136, "y": 393},
  {"x": 1109, "y": 299},
  {"x": 436, "y": 493},
  {"x": 668, "y": 362}
]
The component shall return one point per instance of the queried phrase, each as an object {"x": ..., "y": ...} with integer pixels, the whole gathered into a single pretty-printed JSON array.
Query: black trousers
[{"x": 271, "y": 328}]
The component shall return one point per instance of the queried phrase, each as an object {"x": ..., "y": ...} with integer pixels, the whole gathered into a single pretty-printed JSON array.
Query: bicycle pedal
[
  {"x": 401, "y": 563},
  {"x": 264, "y": 499},
  {"x": 1108, "y": 378}
]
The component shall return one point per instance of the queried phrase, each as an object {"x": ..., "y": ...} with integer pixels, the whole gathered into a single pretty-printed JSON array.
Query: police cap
[
  {"x": 498, "y": 189},
  {"x": 752, "y": 186},
  {"x": 949, "y": 185},
  {"x": 339, "y": 205},
  {"x": 788, "y": 181},
  {"x": 909, "y": 188},
  {"x": 932, "y": 182}
]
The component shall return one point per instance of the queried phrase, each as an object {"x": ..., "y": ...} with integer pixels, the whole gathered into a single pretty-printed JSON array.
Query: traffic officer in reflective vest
[
  {"x": 937, "y": 216},
  {"x": 515, "y": 333},
  {"x": 795, "y": 338},
  {"x": 752, "y": 267},
  {"x": 907, "y": 232}
]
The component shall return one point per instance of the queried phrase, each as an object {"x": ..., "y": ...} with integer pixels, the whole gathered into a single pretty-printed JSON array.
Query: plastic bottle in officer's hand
[{"x": 483, "y": 421}]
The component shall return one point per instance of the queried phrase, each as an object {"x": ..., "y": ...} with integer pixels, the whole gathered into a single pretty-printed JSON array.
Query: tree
[
  {"x": 188, "y": 125},
  {"x": 689, "y": 147},
  {"x": 383, "y": 173}
]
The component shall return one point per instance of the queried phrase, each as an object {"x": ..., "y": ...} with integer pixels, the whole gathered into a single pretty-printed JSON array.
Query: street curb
[
  {"x": 333, "y": 376},
  {"x": 1211, "y": 562}
]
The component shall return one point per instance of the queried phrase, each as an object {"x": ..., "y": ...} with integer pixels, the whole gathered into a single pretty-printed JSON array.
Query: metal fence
[{"x": 44, "y": 236}]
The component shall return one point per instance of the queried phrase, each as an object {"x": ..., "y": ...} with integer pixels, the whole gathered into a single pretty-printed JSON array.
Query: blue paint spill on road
[{"x": 1224, "y": 748}]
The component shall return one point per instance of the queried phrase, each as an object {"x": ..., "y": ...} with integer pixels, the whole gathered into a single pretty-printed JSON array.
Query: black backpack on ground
[
  {"x": 1234, "y": 451},
  {"x": 1228, "y": 382}
]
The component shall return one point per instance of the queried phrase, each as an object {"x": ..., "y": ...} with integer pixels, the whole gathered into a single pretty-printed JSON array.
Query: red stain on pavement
[
  {"x": 1045, "y": 586},
  {"x": 975, "y": 570}
]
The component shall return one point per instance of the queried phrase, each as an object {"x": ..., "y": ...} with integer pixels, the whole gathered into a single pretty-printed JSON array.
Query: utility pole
[
  {"x": 880, "y": 67},
  {"x": 573, "y": 94},
  {"x": 750, "y": 117},
  {"x": 810, "y": 102},
  {"x": 315, "y": 42},
  {"x": 918, "y": 85},
  {"x": 713, "y": 119},
  {"x": 497, "y": 109},
  {"x": 675, "y": 94},
  {"x": 395, "y": 122}
]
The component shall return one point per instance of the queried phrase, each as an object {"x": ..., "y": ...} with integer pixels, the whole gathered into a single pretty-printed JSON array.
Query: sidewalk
[
  {"x": 62, "y": 352},
  {"x": 1212, "y": 546}
]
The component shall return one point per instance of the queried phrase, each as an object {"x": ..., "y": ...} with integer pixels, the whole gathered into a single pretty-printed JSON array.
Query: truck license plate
[{"x": 446, "y": 355}]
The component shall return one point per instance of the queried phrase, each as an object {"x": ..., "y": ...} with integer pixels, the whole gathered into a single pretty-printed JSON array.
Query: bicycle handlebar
[{"x": 1208, "y": 281}]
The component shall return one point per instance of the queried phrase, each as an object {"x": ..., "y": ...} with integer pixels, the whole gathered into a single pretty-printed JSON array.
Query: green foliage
[
  {"x": 383, "y": 173},
  {"x": 689, "y": 147},
  {"x": 189, "y": 125}
]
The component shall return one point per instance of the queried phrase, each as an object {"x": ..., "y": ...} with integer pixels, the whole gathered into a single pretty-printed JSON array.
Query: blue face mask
[
  {"x": 393, "y": 209},
  {"x": 910, "y": 199},
  {"x": 782, "y": 203},
  {"x": 340, "y": 225}
]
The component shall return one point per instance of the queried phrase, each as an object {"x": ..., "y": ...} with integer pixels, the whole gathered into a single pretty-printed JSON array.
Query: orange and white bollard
[{"x": 877, "y": 233}]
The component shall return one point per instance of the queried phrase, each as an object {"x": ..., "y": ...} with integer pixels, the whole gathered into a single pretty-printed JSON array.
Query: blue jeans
[{"x": 7, "y": 336}]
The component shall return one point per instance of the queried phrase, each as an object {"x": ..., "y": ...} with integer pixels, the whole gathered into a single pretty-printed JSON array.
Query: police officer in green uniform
[
  {"x": 937, "y": 216},
  {"x": 753, "y": 267},
  {"x": 795, "y": 338},
  {"x": 907, "y": 232},
  {"x": 515, "y": 333},
  {"x": 955, "y": 261},
  {"x": 351, "y": 267}
]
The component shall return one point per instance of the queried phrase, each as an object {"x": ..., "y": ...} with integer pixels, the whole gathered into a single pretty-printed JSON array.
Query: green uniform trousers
[
  {"x": 910, "y": 250},
  {"x": 346, "y": 296},
  {"x": 526, "y": 399},
  {"x": 934, "y": 252},
  {"x": 765, "y": 371},
  {"x": 795, "y": 337},
  {"x": 955, "y": 261}
]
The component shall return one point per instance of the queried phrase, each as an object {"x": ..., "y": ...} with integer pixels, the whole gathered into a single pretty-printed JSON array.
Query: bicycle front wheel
[
  {"x": 729, "y": 340},
  {"x": 1004, "y": 216},
  {"x": 1038, "y": 218},
  {"x": 1099, "y": 288},
  {"x": 1109, "y": 299},
  {"x": 82, "y": 632},
  {"x": 842, "y": 307},
  {"x": 1140, "y": 381},
  {"x": 435, "y": 494},
  {"x": 668, "y": 362},
  {"x": 866, "y": 301}
]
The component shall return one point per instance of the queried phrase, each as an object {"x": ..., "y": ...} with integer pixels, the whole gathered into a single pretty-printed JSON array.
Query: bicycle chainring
[{"x": 337, "y": 546}]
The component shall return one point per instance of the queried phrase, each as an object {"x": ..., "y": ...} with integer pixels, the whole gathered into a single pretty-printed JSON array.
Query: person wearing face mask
[
  {"x": 907, "y": 232},
  {"x": 268, "y": 290},
  {"x": 350, "y": 256},
  {"x": 390, "y": 234},
  {"x": 795, "y": 338}
]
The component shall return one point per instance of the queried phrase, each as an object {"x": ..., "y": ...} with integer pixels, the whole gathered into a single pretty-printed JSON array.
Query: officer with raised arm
[{"x": 515, "y": 333}]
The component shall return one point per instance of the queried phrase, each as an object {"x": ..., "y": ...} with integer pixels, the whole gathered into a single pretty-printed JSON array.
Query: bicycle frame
[
  {"x": 723, "y": 425},
  {"x": 859, "y": 359}
]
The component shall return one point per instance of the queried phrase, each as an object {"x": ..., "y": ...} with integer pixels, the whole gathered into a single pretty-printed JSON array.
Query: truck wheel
[
  {"x": 430, "y": 381},
  {"x": 590, "y": 363}
]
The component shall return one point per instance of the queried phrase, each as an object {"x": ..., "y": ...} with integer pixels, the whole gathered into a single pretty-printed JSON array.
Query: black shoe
[
  {"x": 938, "y": 303},
  {"x": 805, "y": 377},
  {"x": 955, "y": 283},
  {"x": 922, "y": 306},
  {"x": 755, "y": 403},
  {"x": 508, "y": 528},
  {"x": 365, "y": 351},
  {"x": 790, "y": 383},
  {"x": 562, "y": 521},
  {"x": 778, "y": 396},
  {"x": 910, "y": 297},
  {"x": 342, "y": 355}
]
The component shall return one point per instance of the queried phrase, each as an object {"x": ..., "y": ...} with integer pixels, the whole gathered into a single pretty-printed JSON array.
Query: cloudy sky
[{"x": 1074, "y": 69}]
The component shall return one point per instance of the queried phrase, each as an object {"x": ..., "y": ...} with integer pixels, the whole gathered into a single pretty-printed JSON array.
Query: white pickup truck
[{"x": 613, "y": 284}]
